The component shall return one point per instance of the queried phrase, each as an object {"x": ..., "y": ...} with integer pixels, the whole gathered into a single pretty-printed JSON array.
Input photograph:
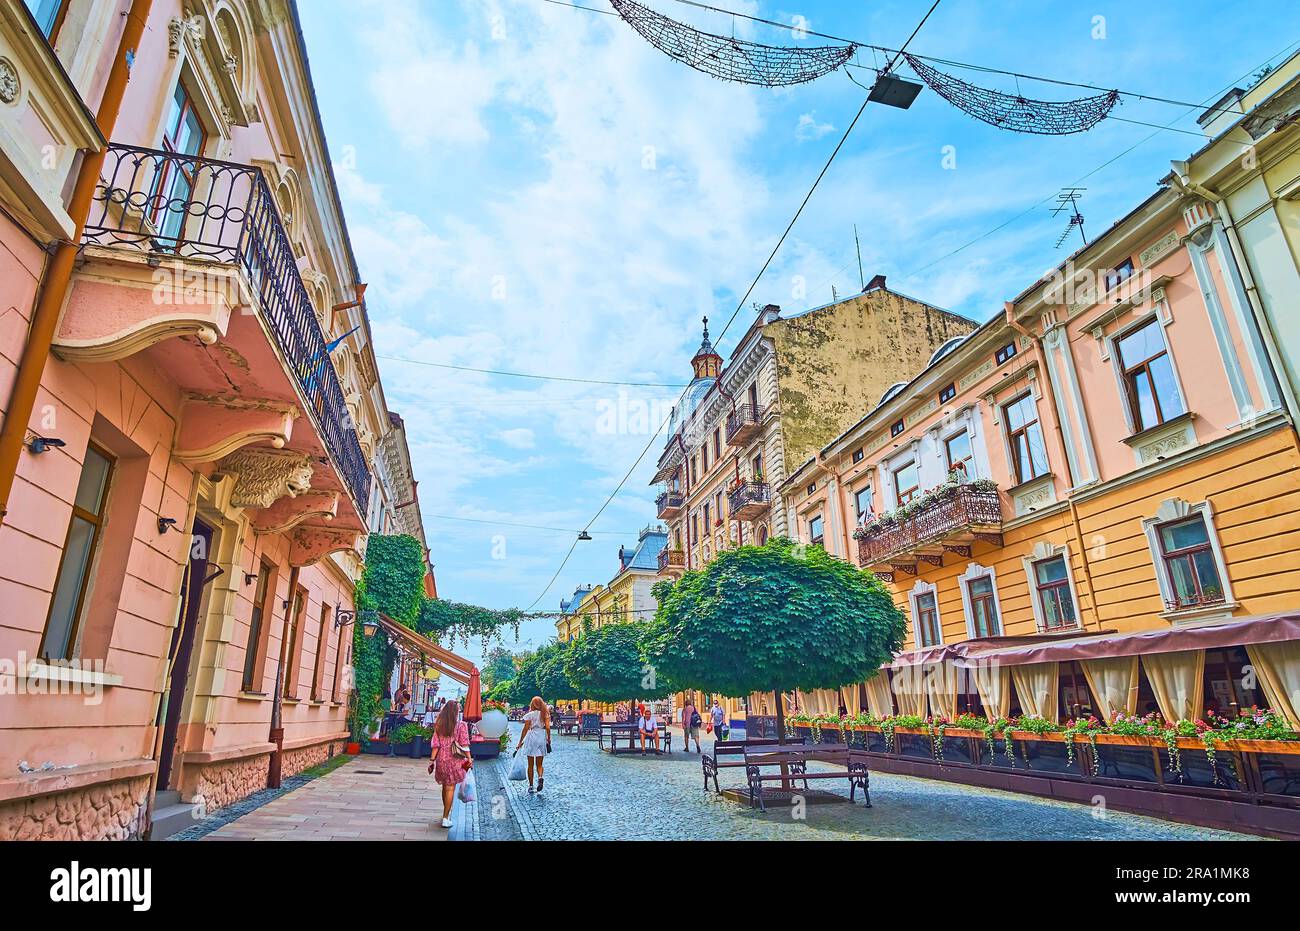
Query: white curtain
[
  {"x": 1114, "y": 685},
  {"x": 941, "y": 689},
  {"x": 880, "y": 701},
  {"x": 1036, "y": 687},
  {"x": 909, "y": 690},
  {"x": 993, "y": 683},
  {"x": 849, "y": 698},
  {"x": 1277, "y": 668},
  {"x": 1178, "y": 679}
]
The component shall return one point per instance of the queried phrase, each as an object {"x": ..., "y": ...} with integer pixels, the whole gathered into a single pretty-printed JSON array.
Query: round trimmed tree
[
  {"x": 607, "y": 665},
  {"x": 773, "y": 618}
]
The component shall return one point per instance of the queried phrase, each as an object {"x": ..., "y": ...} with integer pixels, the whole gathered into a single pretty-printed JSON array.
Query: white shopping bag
[
  {"x": 467, "y": 787},
  {"x": 519, "y": 768}
]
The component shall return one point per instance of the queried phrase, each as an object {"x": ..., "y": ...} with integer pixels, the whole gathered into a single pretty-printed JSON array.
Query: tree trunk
[{"x": 780, "y": 718}]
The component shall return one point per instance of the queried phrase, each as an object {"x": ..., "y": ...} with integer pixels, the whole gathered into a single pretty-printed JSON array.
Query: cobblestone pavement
[
  {"x": 369, "y": 798},
  {"x": 592, "y": 795}
]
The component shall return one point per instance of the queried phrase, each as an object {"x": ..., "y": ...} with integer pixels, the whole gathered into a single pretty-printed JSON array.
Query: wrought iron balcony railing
[
  {"x": 670, "y": 503},
  {"x": 743, "y": 423},
  {"x": 749, "y": 500},
  {"x": 964, "y": 510},
  {"x": 671, "y": 559},
  {"x": 208, "y": 210}
]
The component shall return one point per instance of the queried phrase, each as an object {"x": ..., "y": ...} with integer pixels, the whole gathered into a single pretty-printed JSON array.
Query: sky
[{"x": 533, "y": 188}]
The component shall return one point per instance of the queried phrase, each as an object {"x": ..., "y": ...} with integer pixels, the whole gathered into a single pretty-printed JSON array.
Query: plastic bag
[
  {"x": 519, "y": 768},
  {"x": 466, "y": 790}
]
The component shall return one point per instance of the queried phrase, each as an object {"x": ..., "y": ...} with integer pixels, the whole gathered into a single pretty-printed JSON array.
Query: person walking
[
  {"x": 719, "y": 719},
  {"x": 691, "y": 724},
  {"x": 450, "y": 760},
  {"x": 535, "y": 740}
]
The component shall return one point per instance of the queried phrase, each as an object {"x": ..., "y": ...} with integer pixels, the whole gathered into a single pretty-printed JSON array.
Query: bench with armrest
[
  {"x": 567, "y": 725},
  {"x": 617, "y": 732},
  {"x": 768, "y": 764},
  {"x": 730, "y": 754}
]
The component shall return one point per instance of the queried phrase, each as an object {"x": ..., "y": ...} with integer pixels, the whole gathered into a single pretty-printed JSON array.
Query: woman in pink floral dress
[{"x": 450, "y": 755}]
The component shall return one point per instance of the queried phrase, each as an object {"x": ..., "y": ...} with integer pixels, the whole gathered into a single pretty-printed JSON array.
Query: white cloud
[
  {"x": 518, "y": 438},
  {"x": 809, "y": 128}
]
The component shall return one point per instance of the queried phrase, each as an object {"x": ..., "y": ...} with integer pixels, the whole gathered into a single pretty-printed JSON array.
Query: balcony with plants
[
  {"x": 749, "y": 499},
  {"x": 670, "y": 503},
  {"x": 671, "y": 561},
  {"x": 947, "y": 519},
  {"x": 743, "y": 424}
]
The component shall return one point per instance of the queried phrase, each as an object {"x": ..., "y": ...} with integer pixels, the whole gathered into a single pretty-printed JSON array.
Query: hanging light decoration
[
  {"x": 731, "y": 59},
  {"x": 1013, "y": 112}
]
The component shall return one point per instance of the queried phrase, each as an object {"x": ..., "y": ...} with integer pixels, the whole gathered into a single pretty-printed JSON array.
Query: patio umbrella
[{"x": 474, "y": 699}]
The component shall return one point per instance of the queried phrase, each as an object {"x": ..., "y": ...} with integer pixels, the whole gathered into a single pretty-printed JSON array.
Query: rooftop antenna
[
  {"x": 861, "y": 278},
  {"x": 1068, "y": 199}
]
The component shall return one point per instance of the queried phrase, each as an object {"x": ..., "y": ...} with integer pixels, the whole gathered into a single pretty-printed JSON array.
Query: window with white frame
[
  {"x": 1025, "y": 437},
  {"x": 1189, "y": 562},
  {"x": 1150, "y": 388},
  {"x": 960, "y": 454},
  {"x": 925, "y": 616},
  {"x": 862, "y": 500},
  {"x": 981, "y": 599},
  {"x": 816, "y": 529},
  {"x": 907, "y": 483},
  {"x": 1053, "y": 593}
]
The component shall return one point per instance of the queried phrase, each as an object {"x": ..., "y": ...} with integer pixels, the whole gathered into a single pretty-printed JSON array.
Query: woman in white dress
[{"x": 535, "y": 740}]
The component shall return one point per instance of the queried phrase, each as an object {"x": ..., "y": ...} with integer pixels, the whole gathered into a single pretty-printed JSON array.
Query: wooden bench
[
  {"x": 589, "y": 725},
  {"x": 615, "y": 732},
  {"x": 567, "y": 725},
  {"x": 765, "y": 764},
  {"x": 730, "y": 754}
]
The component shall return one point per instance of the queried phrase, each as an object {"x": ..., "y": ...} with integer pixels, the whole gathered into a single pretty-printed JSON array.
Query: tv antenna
[{"x": 1068, "y": 199}]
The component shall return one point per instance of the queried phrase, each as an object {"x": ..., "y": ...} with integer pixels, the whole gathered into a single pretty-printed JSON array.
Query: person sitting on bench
[{"x": 647, "y": 726}]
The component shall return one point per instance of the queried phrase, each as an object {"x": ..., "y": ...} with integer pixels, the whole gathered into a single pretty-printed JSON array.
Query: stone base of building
[
  {"x": 99, "y": 802},
  {"x": 219, "y": 778}
]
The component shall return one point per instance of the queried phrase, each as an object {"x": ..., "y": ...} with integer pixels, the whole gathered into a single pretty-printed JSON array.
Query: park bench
[
  {"x": 589, "y": 726},
  {"x": 567, "y": 725},
  {"x": 615, "y": 732},
  {"x": 730, "y": 754},
  {"x": 767, "y": 764}
]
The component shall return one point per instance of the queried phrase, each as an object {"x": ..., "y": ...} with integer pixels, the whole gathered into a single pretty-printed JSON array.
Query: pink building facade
[{"x": 187, "y": 521}]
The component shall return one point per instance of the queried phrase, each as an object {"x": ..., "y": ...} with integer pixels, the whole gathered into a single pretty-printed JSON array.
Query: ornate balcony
[
  {"x": 743, "y": 424},
  {"x": 948, "y": 520},
  {"x": 749, "y": 500},
  {"x": 671, "y": 562},
  {"x": 670, "y": 504},
  {"x": 211, "y": 230}
]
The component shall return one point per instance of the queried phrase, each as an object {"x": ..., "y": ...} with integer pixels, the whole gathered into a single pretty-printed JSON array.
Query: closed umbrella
[{"x": 474, "y": 699}]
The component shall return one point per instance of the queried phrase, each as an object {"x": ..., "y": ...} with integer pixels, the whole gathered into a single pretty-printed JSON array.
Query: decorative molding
[
  {"x": 1159, "y": 249},
  {"x": 1175, "y": 509},
  {"x": 213, "y": 427},
  {"x": 1033, "y": 495},
  {"x": 178, "y": 28},
  {"x": 288, "y": 513},
  {"x": 1164, "y": 441},
  {"x": 10, "y": 85},
  {"x": 264, "y": 476}
]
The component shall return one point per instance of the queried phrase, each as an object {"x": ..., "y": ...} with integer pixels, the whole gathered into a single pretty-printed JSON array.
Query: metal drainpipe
[
  {"x": 1041, "y": 356},
  {"x": 686, "y": 519},
  {"x": 58, "y": 274}
]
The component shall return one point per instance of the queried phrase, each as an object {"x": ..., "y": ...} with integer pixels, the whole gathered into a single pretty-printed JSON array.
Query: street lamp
[{"x": 370, "y": 626}]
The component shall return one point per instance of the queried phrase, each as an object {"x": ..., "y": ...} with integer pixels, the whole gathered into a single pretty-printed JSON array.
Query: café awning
[{"x": 439, "y": 658}]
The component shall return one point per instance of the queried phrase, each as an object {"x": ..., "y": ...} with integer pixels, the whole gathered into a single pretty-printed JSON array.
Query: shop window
[
  {"x": 1074, "y": 698},
  {"x": 1226, "y": 690}
]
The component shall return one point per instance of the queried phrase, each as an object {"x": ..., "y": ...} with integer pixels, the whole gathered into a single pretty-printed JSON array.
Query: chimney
[{"x": 875, "y": 284}]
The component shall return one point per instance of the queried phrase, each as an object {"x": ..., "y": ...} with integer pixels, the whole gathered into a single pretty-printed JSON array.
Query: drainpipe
[
  {"x": 58, "y": 274},
  {"x": 1041, "y": 356},
  {"x": 686, "y": 473}
]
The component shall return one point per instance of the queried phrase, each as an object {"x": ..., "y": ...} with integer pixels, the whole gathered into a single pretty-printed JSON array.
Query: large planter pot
[
  {"x": 378, "y": 747},
  {"x": 482, "y": 748},
  {"x": 352, "y": 749},
  {"x": 493, "y": 724}
]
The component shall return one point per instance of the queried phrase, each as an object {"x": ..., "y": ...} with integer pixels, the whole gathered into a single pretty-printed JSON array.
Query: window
[
  {"x": 1153, "y": 395},
  {"x": 707, "y": 524},
  {"x": 816, "y": 529},
  {"x": 261, "y": 601},
  {"x": 1005, "y": 354},
  {"x": 49, "y": 15},
  {"x": 1119, "y": 274},
  {"x": 858, "y": 455},
  {"x": 862, "y": 500},
  {"x": 1225, "y": 682},
  {"x": 961, "y": 458},
  {"x": 695, "y": 527},
  {"x": 322, "y": 648},
  {"x": 1054, "y": 598},
  {"x": 183, "y": 134},
  {"x": 717, "y": 444},
  {"x": 758, "y": 467},
  {"x": 1074, "y": 696},
  {"x": 907, "y": 482},
  {"x": 704, "y": 459},
  {"x": 753, "y": 397},
  {"x": 293, "y": 656},
  {"x": 897, "y": 428},
  {"x": 927, "y": 620},
  {"x": 1189, "y": 564},
  {"x": 717, "y": 506},
  {"x": 947, "y": 394},
  {"x": 811, "y": 489},
  {"x": 983, "y": 607},
  {"x": 1025, "y": 434},
  {"x": 67, "y": 605}
]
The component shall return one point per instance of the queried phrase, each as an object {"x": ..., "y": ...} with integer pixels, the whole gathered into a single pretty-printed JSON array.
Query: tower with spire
[{"x": 707, "y": 363}]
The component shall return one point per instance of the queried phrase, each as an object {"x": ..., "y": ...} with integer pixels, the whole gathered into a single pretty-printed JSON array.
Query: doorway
[{"x": 199, "y": 573}]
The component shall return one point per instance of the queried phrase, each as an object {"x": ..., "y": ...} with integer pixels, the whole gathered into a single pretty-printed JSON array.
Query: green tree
[
  {"x": 552, "y": 680},
  {"x": 498, "y": 666},
  {"x": 607, "y": 665},
  {"x": 770, "y": 619}
]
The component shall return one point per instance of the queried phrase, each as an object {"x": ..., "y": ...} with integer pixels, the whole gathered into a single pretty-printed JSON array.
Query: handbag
[
  {"x": 466, "y": 790},
  {"x": 519, "y": 768}
]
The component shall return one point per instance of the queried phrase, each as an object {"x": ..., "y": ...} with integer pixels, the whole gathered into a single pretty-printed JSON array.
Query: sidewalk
[{"x": 368, "y": 798}]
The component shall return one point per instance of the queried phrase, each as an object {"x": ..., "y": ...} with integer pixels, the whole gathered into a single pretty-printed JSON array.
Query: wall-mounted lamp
[
  {"x": 165, "y": 524},
  {"x": 39, "y": 444},
  {"x": 370, "y": 626},
  {"x": 250, "y": 578},
  {"x": 343, "y": 618}
]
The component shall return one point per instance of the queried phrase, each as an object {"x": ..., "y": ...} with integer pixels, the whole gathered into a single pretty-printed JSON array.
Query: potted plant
[{"x": 406, "y": 740}]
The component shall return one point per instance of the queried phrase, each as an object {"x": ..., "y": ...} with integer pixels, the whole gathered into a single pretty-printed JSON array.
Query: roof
[
  {"x": 648, "y": 549},
  {"x": 571, "y": 605}
]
